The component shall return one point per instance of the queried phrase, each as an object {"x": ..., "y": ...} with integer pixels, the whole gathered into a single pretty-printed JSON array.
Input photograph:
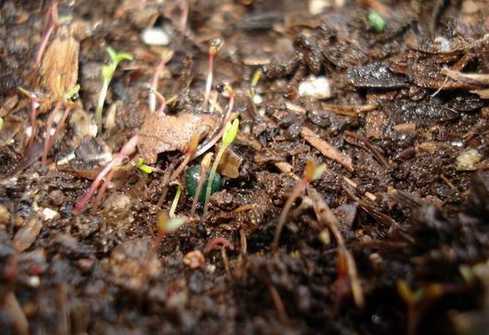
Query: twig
[{"x": 326, "y": 149}]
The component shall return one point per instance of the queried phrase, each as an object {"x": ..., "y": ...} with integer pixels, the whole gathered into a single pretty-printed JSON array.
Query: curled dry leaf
[
  {"x": 162, "y": 133},
  {"x": 59, "y": 69}
]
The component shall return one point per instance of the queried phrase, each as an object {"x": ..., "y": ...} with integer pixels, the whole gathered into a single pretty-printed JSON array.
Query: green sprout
[
  {"x": 1, "y": 123},
  {"x": 376, "y": 21},
  {"x": 230, "y": 132},
  {"x": 107, "y": 74},
  {"x": 143, "y": 167}
]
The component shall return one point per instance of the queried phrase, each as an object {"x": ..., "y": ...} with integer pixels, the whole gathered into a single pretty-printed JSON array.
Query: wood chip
[
  {"x": 59, "y": 68},
  {"x": 326, "y": 149}
]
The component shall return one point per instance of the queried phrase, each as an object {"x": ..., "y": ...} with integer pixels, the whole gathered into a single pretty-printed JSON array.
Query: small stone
[
  {"x": 155, "y": 36},
  {"x": 4, "y": 215},
  {"x": 194, "y": 259},
  {"x": 56, "y": 197},
  {"x": 467, "y": 160},
  {"x": 27, "y": 234},
  {"x": 49, "y": 214},
  {"x": 317, "y": 6},
  {"x": 315, "y": 87}
]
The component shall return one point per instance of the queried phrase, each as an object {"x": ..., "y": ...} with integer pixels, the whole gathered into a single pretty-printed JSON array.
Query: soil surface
[{"x": 389, "y": 236}]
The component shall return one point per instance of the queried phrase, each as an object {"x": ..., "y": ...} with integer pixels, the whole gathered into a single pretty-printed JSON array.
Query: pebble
[
  {"x": 315, "y": 87},
  {"x": 155, "y": 36},
  {"x": 467, "y": 160},
  {"x": 4, "y": 215},
  {"x": 317, "y": 6}
]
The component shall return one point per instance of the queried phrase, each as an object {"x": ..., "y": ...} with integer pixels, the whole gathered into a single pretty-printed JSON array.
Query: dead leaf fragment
[
  {"x": 162, "y": 133},
  {"x": 59, "y": 68}
]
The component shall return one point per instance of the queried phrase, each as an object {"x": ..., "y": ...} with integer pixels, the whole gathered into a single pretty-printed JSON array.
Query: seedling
[
  {"x": 50, "y": 138},
  {"x": 143, "y": 167},
  {"x": 190, "y": 181},
  {"x": 107, "y": 74},
  {"x": 215, "y": 45},
  {"x": 311, "y": 173},
  {"x": 1, "y": 123},
  {"x": 127, "y": 150},
  {"x": 165, "y": 58},
  {"x": 376, "y": 21},
  {"x": 230, "y": 132},
  {"x": 189, "y": 153}
]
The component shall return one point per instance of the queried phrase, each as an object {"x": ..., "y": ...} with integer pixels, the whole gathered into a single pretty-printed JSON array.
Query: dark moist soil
[{"x": 411, "y": 210}]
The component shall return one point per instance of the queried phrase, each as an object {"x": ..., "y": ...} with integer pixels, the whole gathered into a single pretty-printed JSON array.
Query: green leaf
[
  {"x": 230, "y": 132},
  {"x": 376, "y": 21},
  {"x": 117, "y": 57},
  {"x": 72, "y": 93},
  {"x": 143, "y": 167}
]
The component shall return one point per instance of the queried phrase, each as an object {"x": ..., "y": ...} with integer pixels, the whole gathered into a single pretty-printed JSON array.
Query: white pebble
[
  {"x": 155, "y": 36},
  {"x": 467, "y": 160},
  {"x": 315, "y": 87},
  {"x": 317, "y": 6},
  {"x": 49, "y": 214}
]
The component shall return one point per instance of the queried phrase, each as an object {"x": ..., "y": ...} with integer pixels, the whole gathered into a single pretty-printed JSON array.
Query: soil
[{"x": 391, "y": 238}]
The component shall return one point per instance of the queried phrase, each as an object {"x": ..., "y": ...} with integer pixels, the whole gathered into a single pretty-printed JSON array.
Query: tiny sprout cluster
[{"x": 107, "y": 74}]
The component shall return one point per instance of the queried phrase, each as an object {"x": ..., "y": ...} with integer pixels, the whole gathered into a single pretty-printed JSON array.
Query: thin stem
[
  {"x": 212, "y": 175},
  {"x": 48, "y": 141},
  {"x": 52, "y": 22},
  {"x": 210, "y": 76},
  {"x": 204, "y": 167},
  {"x": 100, "y": 103},
  {"x": 154, "y": 86},
  {"x": 117, "y": 160},
  {"x": 297, "y": 191},
  {"x": 174, "y": 204}
]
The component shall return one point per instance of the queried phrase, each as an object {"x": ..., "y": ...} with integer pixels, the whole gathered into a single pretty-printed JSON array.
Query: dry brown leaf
[
  {"x": 161, "y": 133},
  {"x": 59, "y": 68}
]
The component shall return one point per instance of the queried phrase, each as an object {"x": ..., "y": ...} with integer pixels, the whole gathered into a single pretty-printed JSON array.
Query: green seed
[
  {"x": 192, "y": 180},
  {"x": 376, "y": 21}
]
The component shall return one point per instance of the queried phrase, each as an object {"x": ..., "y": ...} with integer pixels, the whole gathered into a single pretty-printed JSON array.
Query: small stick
[{"x": 326, "y": 149}]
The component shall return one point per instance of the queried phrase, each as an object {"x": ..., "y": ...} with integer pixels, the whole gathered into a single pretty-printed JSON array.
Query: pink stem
[
  {"x": 53, "y": 22},
  {"x": 154, "y": 85},
  {"x": 206, "y": 146},
  {"x": 117, "y": 160},
  {"x": 48, "y": 143}
]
